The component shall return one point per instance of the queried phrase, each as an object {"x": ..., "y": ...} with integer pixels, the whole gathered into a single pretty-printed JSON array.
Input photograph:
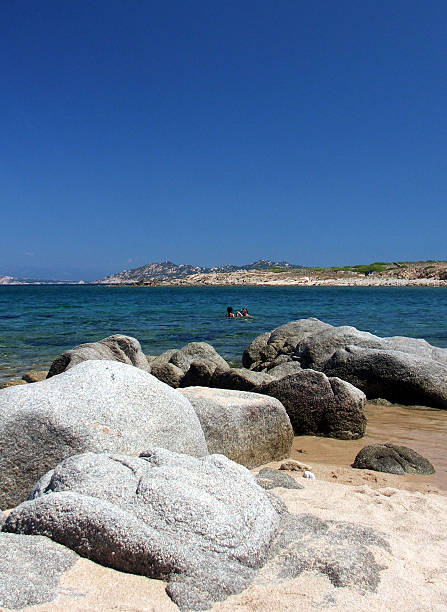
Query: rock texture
[
  {"x": 240, "y": 379},
  {"x": 98, "y": 406},
  {"x": 35, "y": 376},
  {"x": 202, "y": 524},
  {"x": 114, "y": 348},
  {"x": 316, "y": 350},
  {"x": 399, "y": 377},
  {"x": 265, "y": 350},
  {"x": 269, "y": 478},
  {"x": 249, "y": 428},
  {"x": 398, "y": 369},
  {"x": 30, "y": 570},
  {"x": 318, "y": 405},
  {"x": 392, "y": 459},
  {"x": 173, "y": 366}
]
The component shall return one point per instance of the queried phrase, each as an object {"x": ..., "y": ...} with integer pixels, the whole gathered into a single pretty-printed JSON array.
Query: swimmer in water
[
  {"x": 230, "y": 313},
  {"x": 244, "y": 312}
]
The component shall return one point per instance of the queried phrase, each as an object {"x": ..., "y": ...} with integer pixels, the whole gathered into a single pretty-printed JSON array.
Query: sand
[
  {"x": 414, "y": 574},
  {"x": 410, "y": 512}
]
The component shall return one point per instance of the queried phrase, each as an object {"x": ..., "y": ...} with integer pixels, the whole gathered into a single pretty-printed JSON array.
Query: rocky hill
[{"x": 168, "y": 271}]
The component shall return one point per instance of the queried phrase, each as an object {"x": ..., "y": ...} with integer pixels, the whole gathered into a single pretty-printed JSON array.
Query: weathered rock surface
[
  {"x": 316, "y": 349},
  {"x": 173, "y": 366},
  {"x": 392, "y": 459},
  {"x": 241, "y": 379},
  {"x": 401, "y": 370},
  {"x": 202, "y": 524},
  {"x": 35, "y": 376},
  {"x": 318, "y": 405},
  {"x": 284, "y": 369},
  {"x": 249, "y": 428},
  {"x": 269, "y": 478},
  {"x": 266, "y": 348},
  {"x": 30, "y": 569},
  {"x": 114, "y": 348},
  {"x": 12, "y": 383},
  {"x": 98, "y": 406},
  {"x": 399, "y": 377}
]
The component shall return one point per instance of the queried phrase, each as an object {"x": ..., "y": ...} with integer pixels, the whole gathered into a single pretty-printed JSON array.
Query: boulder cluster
[{"x": 140, "y": 463}]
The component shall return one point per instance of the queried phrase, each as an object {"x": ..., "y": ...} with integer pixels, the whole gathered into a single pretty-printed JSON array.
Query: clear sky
[{"x": 212, "y": 132}]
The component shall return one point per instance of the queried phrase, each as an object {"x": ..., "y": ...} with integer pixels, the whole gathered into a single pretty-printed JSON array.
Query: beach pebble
[
  {"x": 35, "y": 376},
  {"x": 309, "y": 475},
  {"x": 294, "y": 466}
]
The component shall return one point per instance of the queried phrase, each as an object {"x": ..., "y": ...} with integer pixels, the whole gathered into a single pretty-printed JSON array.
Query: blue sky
[{"x": 220, "y": 132}]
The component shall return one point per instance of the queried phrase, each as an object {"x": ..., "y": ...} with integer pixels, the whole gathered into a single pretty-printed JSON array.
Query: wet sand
[{"x": 422, "y": 429}]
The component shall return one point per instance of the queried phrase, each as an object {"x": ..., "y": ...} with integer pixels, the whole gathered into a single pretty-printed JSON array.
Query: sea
[{"x": 38, "y": 322}]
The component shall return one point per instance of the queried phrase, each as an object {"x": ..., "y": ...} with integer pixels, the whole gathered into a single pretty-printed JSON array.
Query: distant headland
[
  {"x": 269, "y": 273},
  {"x": 264, "y": 272}
]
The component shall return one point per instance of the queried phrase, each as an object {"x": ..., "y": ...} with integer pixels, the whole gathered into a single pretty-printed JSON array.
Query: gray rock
[
  {"x": 30, "y": 570},
  {"x": 114, "y": 348},
  {"x": 316, "y": 349},
  {"x": 204, "y": 525},
  {"x": 98, "y": 406},
  {"x": 200, "y": 374},
  {"x": 35, "y": 376},
  {"x": 249, "y": 428},
  {"x": 167, "y": 373},
  {"x": 241, "y": 379},
  {"x": 392, "y": 459},
  {"x": 399, "y": 377},
  {"x": 173, "y": 366},
  {"x": 269, "y": 478},
  {"x": 283, "y": 340},
  {"x": 285, "y": 369},
  {"x": 318, "y": 405},
  {"x": 197, "y": 352}
]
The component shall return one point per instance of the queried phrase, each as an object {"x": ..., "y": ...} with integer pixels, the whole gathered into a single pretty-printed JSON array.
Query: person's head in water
[
  {"x": 244, "y": 311},
  {"x": 230, "y": 312}
]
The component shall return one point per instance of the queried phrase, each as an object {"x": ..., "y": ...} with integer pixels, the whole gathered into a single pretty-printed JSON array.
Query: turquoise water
[{"x": 39, "y": 322}]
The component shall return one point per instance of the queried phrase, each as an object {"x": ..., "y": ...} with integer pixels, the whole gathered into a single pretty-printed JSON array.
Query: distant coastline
[{"x": 268, "y": 274}]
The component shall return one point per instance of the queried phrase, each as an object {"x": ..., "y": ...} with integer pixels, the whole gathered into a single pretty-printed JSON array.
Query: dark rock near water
[
  {"x": 269, "y": 478},
  {"x": 114, "y": 348},
  {"x": 266, "y": 348},
  {"x": 102, "y": 406},
  {"x": 392, "y": 459},
  {"x": 167, "y": 373},
  {"x": 204, "y": 525},
  {"x": 249, "y": 428},
  {"x": 30, "y": 570},
  {"x": 318, "y": 405},
  {"x": 35, "y": 376},
  {"x": 401, "y": 370},
  {"x": 173, "y": 366}
]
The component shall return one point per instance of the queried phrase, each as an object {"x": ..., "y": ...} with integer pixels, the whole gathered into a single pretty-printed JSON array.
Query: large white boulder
[{"x": 100, "y": 406}]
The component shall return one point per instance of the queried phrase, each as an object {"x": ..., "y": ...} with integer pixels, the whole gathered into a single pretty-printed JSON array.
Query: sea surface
[{"x": 37, "y": 323}]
